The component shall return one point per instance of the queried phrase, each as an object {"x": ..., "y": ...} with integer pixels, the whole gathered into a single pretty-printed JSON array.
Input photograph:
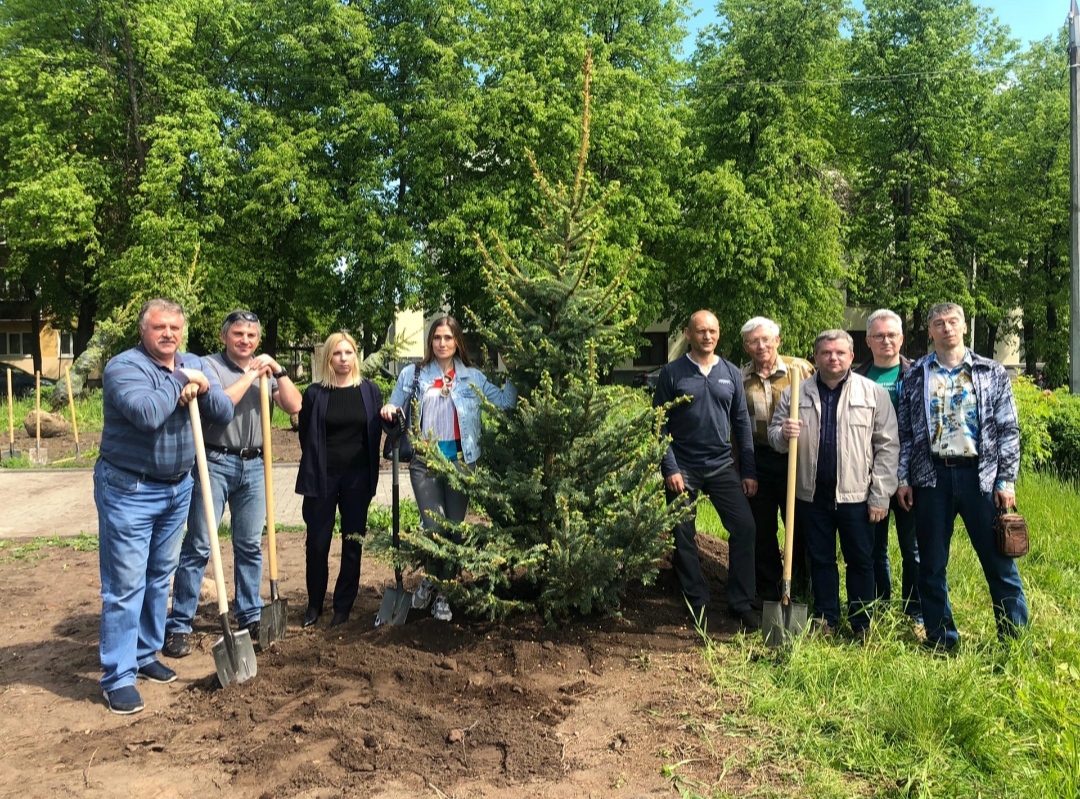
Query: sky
[{"x": 1028, "y": 20}]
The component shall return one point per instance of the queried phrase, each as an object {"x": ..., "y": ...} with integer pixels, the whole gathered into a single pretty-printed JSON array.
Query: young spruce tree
[{"x": 569, "y": 481}]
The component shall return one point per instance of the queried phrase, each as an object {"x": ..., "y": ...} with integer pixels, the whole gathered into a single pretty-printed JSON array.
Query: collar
[
  {"x": 967, "y": 361},
  {"x": 178, "y": 359},
  {"x": 822, "y": 386},
  {"x": 781, "y": 368},
  {"x": 229, "y": 363}
]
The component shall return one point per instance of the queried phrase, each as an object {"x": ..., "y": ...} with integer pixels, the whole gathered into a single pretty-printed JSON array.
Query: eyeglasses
[
  {"x": 241, "y": 316},
  {"x": 887, "y": 336}
]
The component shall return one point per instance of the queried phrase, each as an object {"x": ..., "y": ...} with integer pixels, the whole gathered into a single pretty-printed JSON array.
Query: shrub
[
  {"x": 1035, "y": 407},
  {"x": 1064, "y": 432}
]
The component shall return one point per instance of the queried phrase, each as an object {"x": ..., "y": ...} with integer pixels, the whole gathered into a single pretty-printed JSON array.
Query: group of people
[
  {"x": 145, "y": 493},
  {"x": 928, "y": 440}
]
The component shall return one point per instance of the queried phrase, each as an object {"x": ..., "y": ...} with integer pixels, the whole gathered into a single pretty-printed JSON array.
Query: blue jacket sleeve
[
  {"x": 215, "y": 405},
  {"x": 144, "y": 401}
]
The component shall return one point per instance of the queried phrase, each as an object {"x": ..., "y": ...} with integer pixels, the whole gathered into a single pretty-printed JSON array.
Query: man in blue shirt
[
  {"x": 701, "y": 458},
  {"x": 142, "y": 487}
]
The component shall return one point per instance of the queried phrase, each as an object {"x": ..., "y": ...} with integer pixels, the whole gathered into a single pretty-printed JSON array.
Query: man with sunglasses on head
[
  {"x": 235, "y": 463},
  {"x": 885, "y": 337}
]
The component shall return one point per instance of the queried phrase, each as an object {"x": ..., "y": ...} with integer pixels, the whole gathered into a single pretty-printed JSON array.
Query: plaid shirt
[{"x": 763, "y": 392}]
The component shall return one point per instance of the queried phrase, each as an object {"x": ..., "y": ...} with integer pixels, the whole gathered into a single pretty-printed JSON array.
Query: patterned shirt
[
  {"x": 954, "y": 410},
  {"x": 438, "y": 417},
  {"x": 762, "y": 393}
]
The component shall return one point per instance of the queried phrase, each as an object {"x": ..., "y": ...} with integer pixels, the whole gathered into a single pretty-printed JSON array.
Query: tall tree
[
  {"x": 761, "y": 233},
  {"x": 923, "y": 75}
]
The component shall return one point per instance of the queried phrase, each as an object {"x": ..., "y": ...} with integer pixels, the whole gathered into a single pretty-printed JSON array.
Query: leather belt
[
  {"x": 244, "y": 453},
  {"x": 171, "y": 480},
  {"x": 956, "y": 463}
]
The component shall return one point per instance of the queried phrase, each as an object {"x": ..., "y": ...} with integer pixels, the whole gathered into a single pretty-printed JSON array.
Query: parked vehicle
[{"x": 22, "y": 382}]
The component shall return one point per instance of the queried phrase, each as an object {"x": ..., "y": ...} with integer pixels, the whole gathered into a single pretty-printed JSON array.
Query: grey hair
[
  {"x": 159, "y": 304},
  {"x": 883, "y": 313},
  {"x": 237, "y": 318},
  {"x": 834, "y": 335},
  {"x": 760, "y": 321},
  {"x": 943, "y": 308}
]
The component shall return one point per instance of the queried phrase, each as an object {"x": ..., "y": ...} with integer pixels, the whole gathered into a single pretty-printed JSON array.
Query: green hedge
[{"x": 1049, "y": 429}]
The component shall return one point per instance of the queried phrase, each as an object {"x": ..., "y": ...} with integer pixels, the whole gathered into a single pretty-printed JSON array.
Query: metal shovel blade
[
  {"x": 10, "y": 453},
  {"x": 234, "y": 658},
  {"x": 272, "y": 623},
  {"x": 782, "y": 621},
  {"x": 395, "y": 606}
]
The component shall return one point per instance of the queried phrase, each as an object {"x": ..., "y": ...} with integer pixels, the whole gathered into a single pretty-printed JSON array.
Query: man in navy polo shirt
[
  {"x": 142, "y": 487},
  {"x": 701, "y": 458}
]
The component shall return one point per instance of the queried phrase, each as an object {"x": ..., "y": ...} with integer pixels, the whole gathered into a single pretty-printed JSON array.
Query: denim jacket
[
  {"x": 462, "y": 393},
  {"x": 999, "y": 429}
]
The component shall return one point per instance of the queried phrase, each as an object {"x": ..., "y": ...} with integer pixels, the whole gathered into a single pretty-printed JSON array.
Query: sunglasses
[{"x": 241, "y": 316}]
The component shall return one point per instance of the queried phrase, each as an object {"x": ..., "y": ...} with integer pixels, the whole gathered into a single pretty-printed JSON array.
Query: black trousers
[
  {"x": 770, "y": 499},
  {"x": 350, "y": 492},
  {"x": 723, "y": 487}
]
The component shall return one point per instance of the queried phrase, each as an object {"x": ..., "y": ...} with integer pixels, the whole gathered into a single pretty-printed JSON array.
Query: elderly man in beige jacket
[{"x": 848, "y": 451}]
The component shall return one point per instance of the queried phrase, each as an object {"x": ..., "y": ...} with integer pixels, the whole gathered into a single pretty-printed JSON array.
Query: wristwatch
[{"x": 281, "y": 374}]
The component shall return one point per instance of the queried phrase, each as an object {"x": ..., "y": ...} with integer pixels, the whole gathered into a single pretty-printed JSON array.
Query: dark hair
[{"x": 462, "y": 353}]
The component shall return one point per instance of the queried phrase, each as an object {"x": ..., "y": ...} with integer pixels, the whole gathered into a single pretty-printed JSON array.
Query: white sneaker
[
  {"x": 421, "y": 597},
  {"x": 441, "y": 609}
]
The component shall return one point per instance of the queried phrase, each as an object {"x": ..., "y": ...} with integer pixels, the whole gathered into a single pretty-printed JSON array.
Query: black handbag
[{"x": 401, "y": 436}]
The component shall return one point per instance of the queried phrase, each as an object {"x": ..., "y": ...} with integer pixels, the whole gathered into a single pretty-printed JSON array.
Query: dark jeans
[
  {"x": 348, "y": 491},
  {"x": 437, "y": 500},
  {"x": 724, "y": 489},
  {"x": 957, "y": 492},
  {"x": 770, "y": 499},
  {"x": 909, "y": 559},
  {"x": 823, "y": 519}
]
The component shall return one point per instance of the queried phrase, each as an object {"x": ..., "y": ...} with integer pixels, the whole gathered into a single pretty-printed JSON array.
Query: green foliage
[
  {"x": 569, "y": 483},
  {"x": 1035, "y": 408},
  {"x": 32, "y": 550},
  {"x": 1064, "y": 431},
  {"x": 891, "y": 720}
]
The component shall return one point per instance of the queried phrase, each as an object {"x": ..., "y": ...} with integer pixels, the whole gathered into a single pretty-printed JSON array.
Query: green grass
[
  {"x": 11, "y": 551},
  {"x": 890, "y": 720}
]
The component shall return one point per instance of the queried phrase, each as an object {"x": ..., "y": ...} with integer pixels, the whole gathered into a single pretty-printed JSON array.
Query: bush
[
  {"x": 1035, "y": 407},
  {"x": 1064, "y": 432}
]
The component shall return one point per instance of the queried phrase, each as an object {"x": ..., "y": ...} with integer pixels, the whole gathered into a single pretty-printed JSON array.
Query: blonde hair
[{"x": 328, "y": 355}]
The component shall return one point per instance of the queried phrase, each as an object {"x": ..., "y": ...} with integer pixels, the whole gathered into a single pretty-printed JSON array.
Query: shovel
[
  {"x": 234, "y": 654},
  {"x": 396, "y": 602},
  {"x": 781, "y": 621},
  {"x": 74, "y": 421},
  {"x": 272, "y": 626},
  {"x": 11, "y": 451},
  {"x": 40, "y": 456}
]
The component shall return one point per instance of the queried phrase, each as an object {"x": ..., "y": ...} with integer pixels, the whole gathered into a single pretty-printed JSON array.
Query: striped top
[{"x": 439, "y": 418}]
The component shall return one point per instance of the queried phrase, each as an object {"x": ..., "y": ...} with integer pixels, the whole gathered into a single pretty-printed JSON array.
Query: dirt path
[{"x": 465, "y": 709}]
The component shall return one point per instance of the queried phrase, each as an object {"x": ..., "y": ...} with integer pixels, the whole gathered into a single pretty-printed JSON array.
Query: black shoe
[
  {"x": 176, "y": 645},
  {"x": 124, "y": 701},
  {"x": 254, "y": 630},
  {"x": 311, "y": 615},
  {"x": 156, "y": 671},
  {"x": 339, "y": 619},
  {"x": 749, "y": 619}
]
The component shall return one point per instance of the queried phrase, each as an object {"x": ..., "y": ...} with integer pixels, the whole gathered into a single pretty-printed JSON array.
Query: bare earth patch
[{"x": 466, "y": 708}]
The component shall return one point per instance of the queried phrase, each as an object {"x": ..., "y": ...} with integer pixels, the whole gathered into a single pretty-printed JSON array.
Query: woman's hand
[{"x": 389, "y": 411}]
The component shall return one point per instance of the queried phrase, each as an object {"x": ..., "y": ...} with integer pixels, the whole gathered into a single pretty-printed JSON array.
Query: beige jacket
[{"x": 867, "y": 442}]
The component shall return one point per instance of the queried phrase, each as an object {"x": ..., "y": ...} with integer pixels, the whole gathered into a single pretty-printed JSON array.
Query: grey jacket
[
  {"x": 999, "y": 427},
  {"x": 867, "y": 446}
]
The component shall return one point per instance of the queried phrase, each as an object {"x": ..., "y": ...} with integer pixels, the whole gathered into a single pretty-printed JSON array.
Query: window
[
  {"x": 15, "y": 343},
  {"x": 67, "y": 345},
  {"x": 654, "y": 352}
]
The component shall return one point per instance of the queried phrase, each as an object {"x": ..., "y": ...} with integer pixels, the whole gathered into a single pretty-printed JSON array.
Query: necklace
[{"x": 447, "y": 379}]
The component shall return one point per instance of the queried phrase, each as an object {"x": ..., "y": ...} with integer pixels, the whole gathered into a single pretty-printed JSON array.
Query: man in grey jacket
[
  {"x": 848, "y": 451},
  {"x": 960, "y": 453}
]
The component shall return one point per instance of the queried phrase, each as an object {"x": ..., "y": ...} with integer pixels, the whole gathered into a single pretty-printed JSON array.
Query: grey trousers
[{"x": 437, "y": 501}]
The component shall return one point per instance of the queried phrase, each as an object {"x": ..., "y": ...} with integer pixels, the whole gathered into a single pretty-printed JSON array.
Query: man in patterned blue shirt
[
  {"x": 959, "y": 454},
  {"x": 142, "y": 487}
]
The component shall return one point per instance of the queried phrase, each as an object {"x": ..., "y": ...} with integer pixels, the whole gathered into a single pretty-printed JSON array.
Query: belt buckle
[{"x": 249, "y": 453}]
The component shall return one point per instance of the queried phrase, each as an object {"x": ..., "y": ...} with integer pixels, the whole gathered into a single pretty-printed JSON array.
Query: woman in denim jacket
[{"x": 446, "y": 393}]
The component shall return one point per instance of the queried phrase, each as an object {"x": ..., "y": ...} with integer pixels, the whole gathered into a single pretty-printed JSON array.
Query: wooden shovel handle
[
  {"x": 37, "y": 409},
  {"x": 71, "y": 405},
  {"x": 10, "y": 411},
  {"x": 268, "y": 474},
  {"x": 792, "y": 459},
  {"x": 208, "y": 507}
]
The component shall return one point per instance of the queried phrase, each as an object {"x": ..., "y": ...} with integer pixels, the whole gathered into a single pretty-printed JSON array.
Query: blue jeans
[
  {"x": 909, "y": 558},
  {"x": 723, "y": 487},
  {"x": 240, "y": 483},
  {"x": 139, "y": 526},
  {"x": 957, "y": 492},
  {"x": 823, "y": 519}
]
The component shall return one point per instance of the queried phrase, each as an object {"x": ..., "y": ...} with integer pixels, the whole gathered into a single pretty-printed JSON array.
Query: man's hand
[
  {"x": 675, "y": 483},
  {"x": 265, "y": 365},
  {"x": 905, "y": 497},
  {"x": 1003, "y": 499},
  {"x": 197, "y": 378},
  {"x": 389, "y": 411},
  {"x": 188, "y": 393},
  {"x": 749, "y": 487},
  {"x": 791, "y": 428},
  {"x": 877, "y": 514}
]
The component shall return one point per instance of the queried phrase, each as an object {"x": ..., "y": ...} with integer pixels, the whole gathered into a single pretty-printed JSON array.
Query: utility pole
[{"x": 1074, "y": 194}]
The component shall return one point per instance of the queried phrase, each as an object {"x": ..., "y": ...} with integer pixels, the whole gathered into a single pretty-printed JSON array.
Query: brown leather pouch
[{"x": 1011, "y": 531}]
